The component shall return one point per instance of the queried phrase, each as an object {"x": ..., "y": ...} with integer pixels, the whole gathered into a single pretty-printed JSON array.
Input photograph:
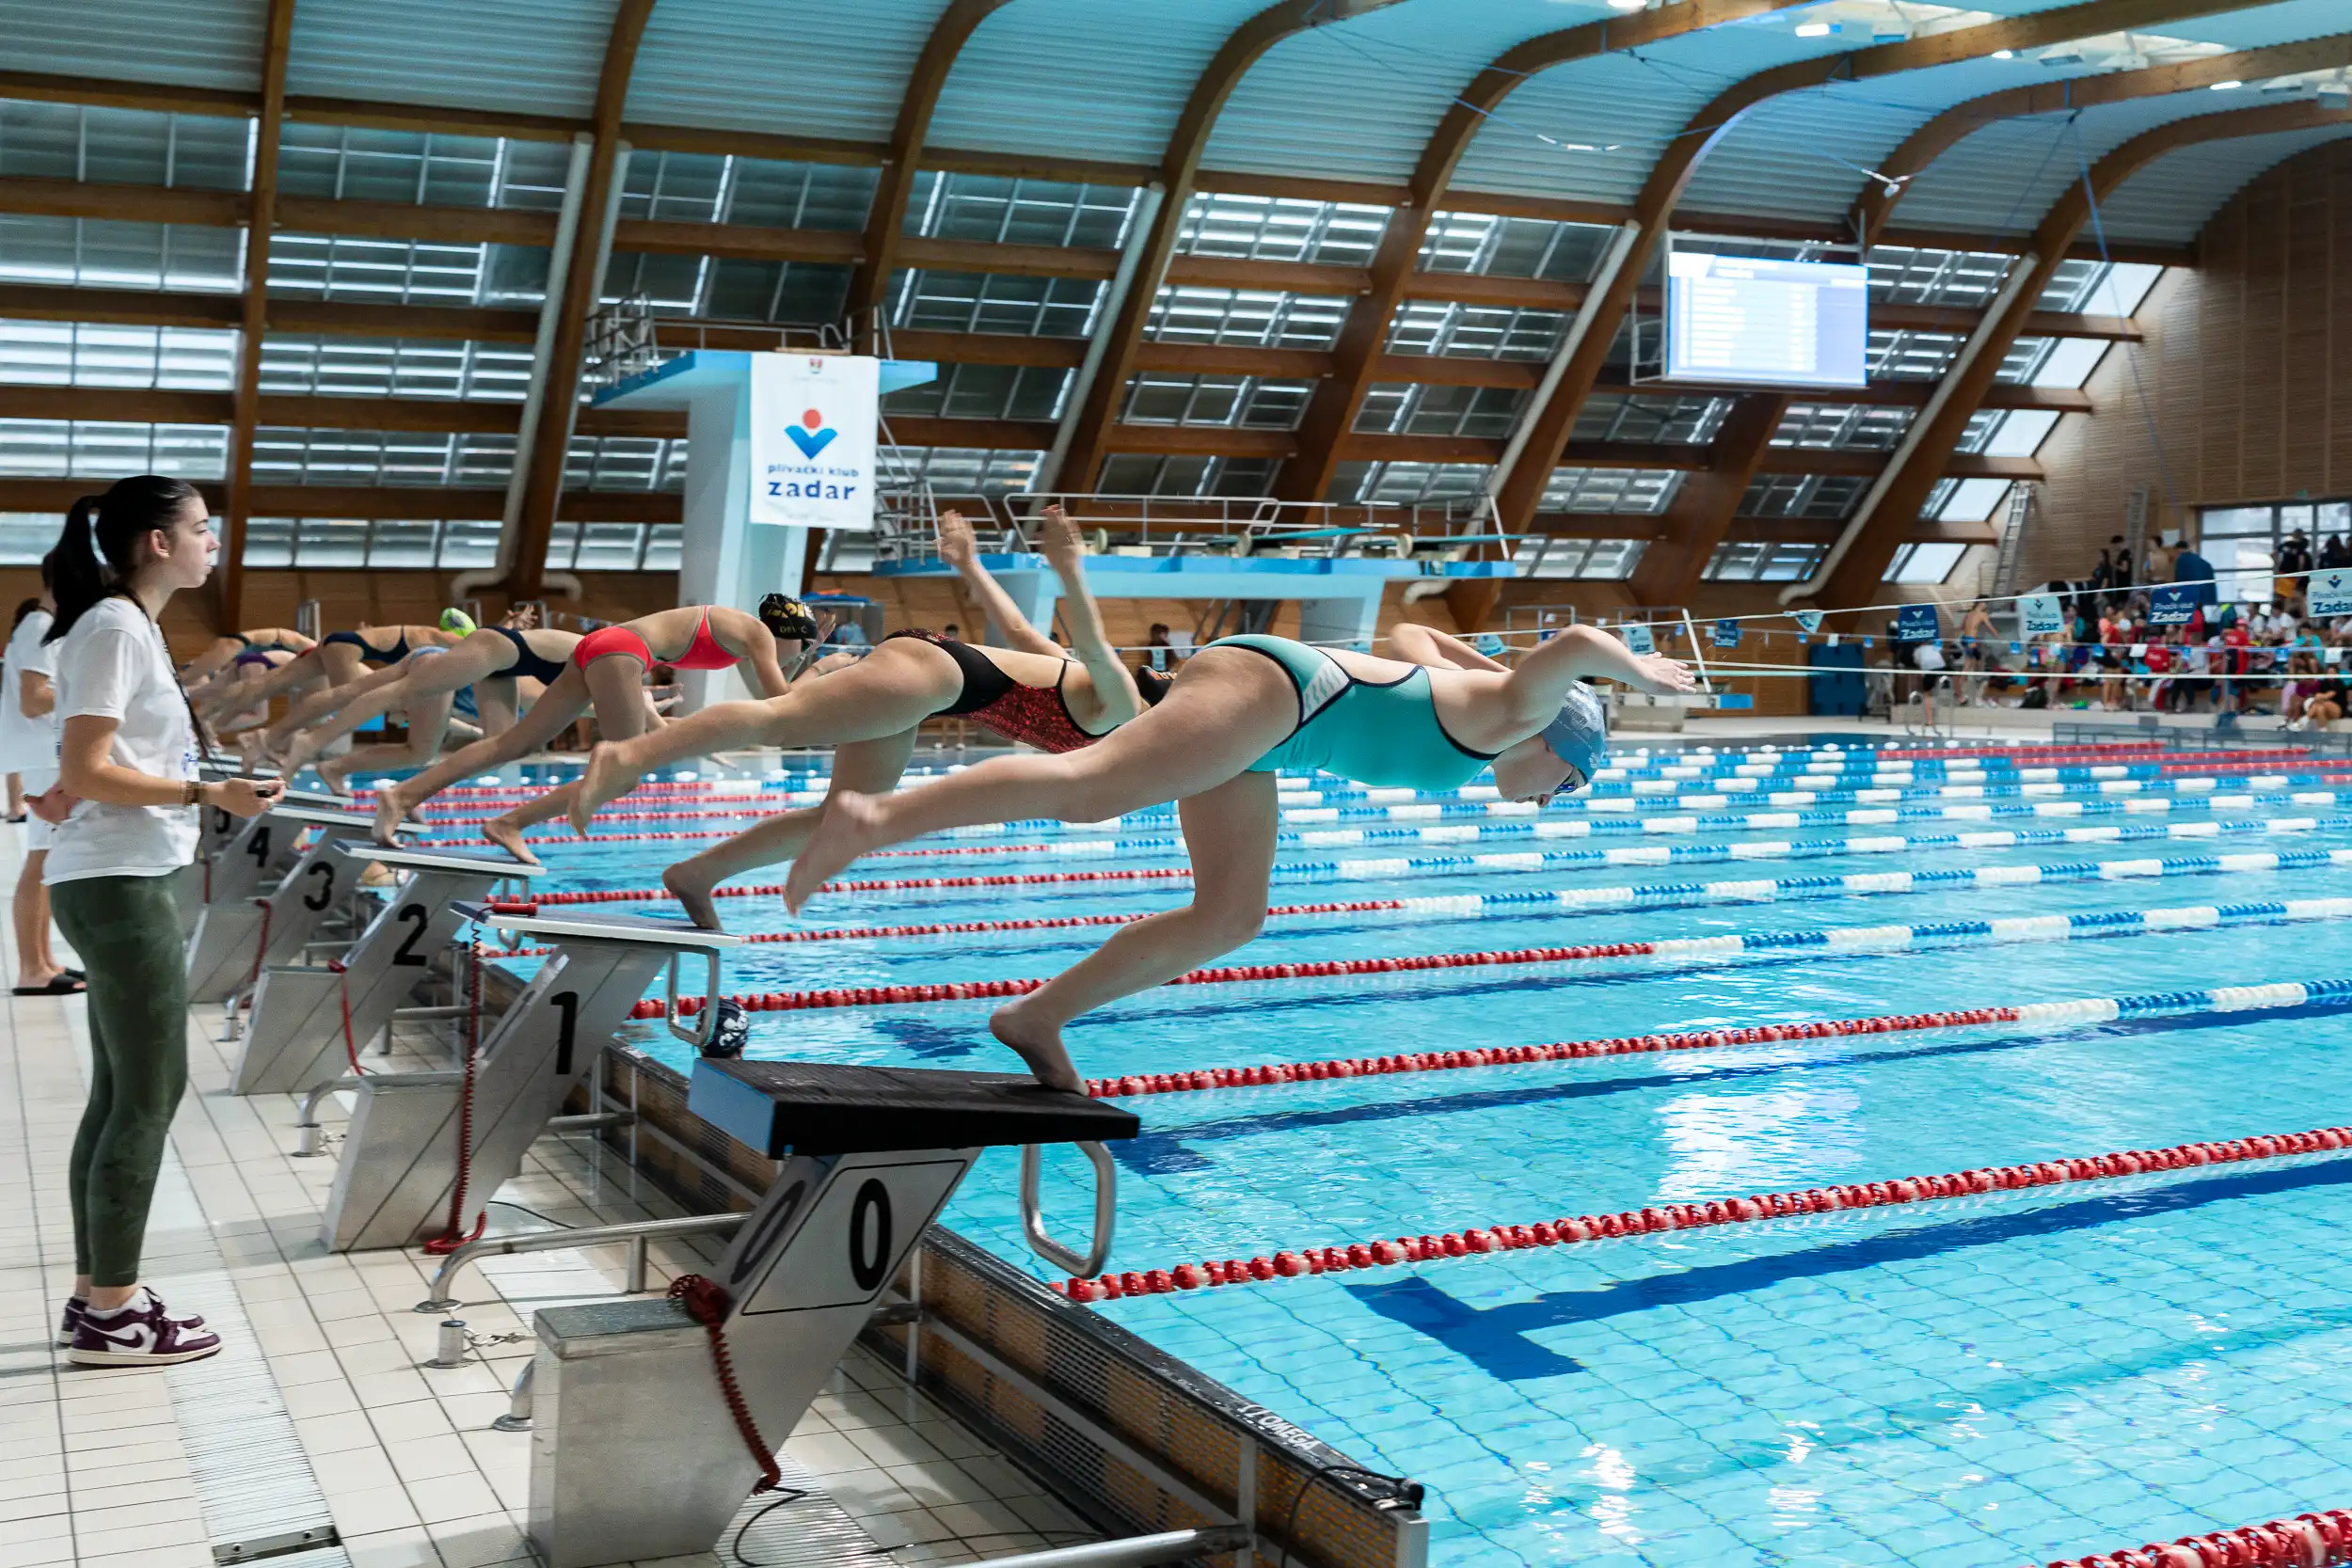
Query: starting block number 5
[{"x": 850, "y": 1244}]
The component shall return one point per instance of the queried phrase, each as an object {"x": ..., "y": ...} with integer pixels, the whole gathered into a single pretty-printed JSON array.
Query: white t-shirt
[
  {"x": 28, "y": 746},
  {"x": 1928, "y": 656},
  {"x": 114, "y": 665}
]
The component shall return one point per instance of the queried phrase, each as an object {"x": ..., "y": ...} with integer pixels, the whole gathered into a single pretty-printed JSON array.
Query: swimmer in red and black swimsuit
[
  {"x": 607, "y": 671},
  {"x": 1030, "y": 691}
]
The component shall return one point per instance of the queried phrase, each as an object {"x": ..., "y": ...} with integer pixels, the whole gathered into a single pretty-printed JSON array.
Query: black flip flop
[
  {"x": 74, "y": 975},
  {"x": 61, "y": 985}
]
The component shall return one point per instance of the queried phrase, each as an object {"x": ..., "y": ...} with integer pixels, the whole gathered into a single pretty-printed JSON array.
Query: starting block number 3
[{"x": 865, "y": 1221}]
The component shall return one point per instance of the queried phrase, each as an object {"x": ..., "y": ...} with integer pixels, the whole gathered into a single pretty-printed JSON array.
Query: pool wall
[{"x": 1135, "y": 1439}]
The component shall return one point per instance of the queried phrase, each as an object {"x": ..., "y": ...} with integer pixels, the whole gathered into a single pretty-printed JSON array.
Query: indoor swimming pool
[{"x": 1971, "y": 1382}]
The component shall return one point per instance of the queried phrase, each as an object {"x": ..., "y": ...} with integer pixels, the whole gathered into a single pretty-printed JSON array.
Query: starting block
[
  {"x": 634, "y": 1453},
  {"x": 297, "y": 1038},
  {"x": 401, "y": 1159},
  {"x": 268, "y": 862}
]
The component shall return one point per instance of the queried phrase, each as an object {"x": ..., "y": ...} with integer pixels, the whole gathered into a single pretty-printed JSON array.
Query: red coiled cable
[
  {"x": 450, "y": 1240},
  {"x": 351, "y": 1045},
  {"x": 706, "y": 1302}
]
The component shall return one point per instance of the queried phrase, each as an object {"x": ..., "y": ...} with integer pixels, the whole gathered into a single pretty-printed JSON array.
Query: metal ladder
[{"x": 2024, "y": 501}]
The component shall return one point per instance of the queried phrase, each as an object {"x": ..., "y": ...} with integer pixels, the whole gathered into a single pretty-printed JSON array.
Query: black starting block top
[
  {"x": 342, "y": 816},
  {"x": 602, "y": 927},
  {"x": 820, "y": 1108},
  {"x": 494, "y": 861}
]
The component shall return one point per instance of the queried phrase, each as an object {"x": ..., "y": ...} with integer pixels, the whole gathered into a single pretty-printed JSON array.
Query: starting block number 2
[{"x": 866, "y": 1220}]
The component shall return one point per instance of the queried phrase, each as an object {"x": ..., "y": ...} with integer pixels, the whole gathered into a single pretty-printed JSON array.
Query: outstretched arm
[
  {"x": 956, "y": 547},
  {"x": 1418, "y": 644},
  {"x": 1536, "y": 689},
  {"x": 330, "y": 704},
  {"x": 1066, "y": 550}
]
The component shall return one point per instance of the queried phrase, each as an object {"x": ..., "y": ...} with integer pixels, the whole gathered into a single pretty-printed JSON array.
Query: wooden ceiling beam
[
  {"x": 543, "y": 491},
  {"x": 227, "y": 595},
  {"x": 886, "y": 217},
  {"x": 1870, "y": 537},
  {"x": 1179, "y": 173}
]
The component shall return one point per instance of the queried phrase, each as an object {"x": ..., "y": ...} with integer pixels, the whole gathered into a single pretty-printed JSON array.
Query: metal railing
[
  {"x": 628, "y": 338},
  {"x": 1232, "y": 525}
]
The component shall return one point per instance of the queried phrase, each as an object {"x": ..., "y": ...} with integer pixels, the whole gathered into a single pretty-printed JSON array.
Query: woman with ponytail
[{"x": 125, "y": 815}]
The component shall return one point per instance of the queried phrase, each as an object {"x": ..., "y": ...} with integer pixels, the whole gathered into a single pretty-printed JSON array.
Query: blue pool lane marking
[
  {"x": 1496, "y": 1338},
  {"x": 1166, "y": 1150}
]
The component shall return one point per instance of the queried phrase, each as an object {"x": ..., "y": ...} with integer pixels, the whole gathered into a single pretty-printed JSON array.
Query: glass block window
[
  {"x": 1924, "y": 563},
  {"x": 1762, "y": 561},
  {"x": 106, "y": 254},
  {"x": 407, "y": 272},
  {"x": 703, "y": 187},
  {"x": 1244, "y": 317},
  {"x": 1651, "y": 420},
  {"x": 1910, "y": 355},
  {"x": 997, "y": 210},
  {"x": 92, "y": 449},
  {"x": 1596, "y": 559},
  {"x": 1610, "y": 490},
  {"x": 1130, "y": 473},
  {"x": 994, "y": 302},
  {"x": 125, "y": 147},
  {"x": 358, "y": 543},
  {"x": 795, "y": 294},
  {"x": 27, "y": 536},
  {"x": 984, "y": 392},
  {"x": 959, "y": 470},
  {"x": 615, "y": 546},
  {"x": 1280, "y": 229},
  {"x": 1843, "y": 426},
  {"x": 353, "y": 163},
  {"x": 1417, "y": 409},
  {"x": 473, "y": 460},
  {"x": 1966, "y": 500},
  {"x": 72, "y": 354},
  {"x": 1482, "y": 243},
  {"x": 304, "y": 365},
  {"x": 1231, "y": 402},
  {"x": 1474, "y": 331},
  {"x": 625, "y": 463},
  {"x": 1900, "y": 275},
  {"x": 1826, "y": 496},
  {"x": 1406, "y": 484}
]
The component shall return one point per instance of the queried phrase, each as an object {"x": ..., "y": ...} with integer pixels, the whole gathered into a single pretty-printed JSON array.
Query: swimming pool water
[{"x": 1979, "y": 1382}]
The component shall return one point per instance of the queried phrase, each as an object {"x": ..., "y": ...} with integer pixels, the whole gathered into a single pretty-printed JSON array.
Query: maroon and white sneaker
[
  {"x": 76, "y": 1306},
  {"x": 139, "y": 1333}
]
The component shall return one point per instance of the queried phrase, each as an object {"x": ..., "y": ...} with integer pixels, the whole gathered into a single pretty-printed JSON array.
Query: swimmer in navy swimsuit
[
  {"x": 607, "y": 672},
  {"x": 1432, "y": 716},
  {"x": 490, "y": 662},
  {"x": 869, "y": 708}
]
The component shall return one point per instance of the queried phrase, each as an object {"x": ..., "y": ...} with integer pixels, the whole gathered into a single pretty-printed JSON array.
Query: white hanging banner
[
  {"x": 813, "y": 418},
  {"x": 2330, "y": 594},
  {"x": 2043, "y": 616},
  {"x": 1637, "y": 637}
]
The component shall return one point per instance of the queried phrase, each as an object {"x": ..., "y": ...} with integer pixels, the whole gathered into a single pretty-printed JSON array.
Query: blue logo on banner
[
  {"x": 1915, "y": 623},
  {"x": 812, "y": 434},
  {"x": 2171, "y": 604},
  {"x": 1727, "y": 633}
]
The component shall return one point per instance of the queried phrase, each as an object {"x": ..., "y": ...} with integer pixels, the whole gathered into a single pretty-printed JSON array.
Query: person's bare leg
[
  {"x": 870, "y": 767},
  {"x": 16, "y": 796},
  {"x": 554, "y": 709},
  {"x": 896, "y": 687},
  {"x": 616, "y": 687},
  {"x": 1229, "y": 708},
  {"x": 1229, "y": 831},
  {"x": 30, "y": 908}
]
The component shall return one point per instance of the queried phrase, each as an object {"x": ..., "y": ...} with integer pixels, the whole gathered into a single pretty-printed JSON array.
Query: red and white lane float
[
  {"x": 1389, "y": 1252},
  {"x": 2306, "y": 1540}
]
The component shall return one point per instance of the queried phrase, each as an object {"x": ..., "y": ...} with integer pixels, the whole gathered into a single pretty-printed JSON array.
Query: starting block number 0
[{"x": 851, "y": 1242}]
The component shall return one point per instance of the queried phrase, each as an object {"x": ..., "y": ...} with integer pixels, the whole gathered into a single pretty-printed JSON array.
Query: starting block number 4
[{"x": 849, "y": 1243}]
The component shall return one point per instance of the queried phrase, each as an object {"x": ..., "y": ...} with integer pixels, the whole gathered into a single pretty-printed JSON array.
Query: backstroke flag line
[{"x": 814, "y": 419}]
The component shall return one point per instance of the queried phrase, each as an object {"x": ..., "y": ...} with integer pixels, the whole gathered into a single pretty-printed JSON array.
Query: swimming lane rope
[{"x": 1387, "y": 1252}]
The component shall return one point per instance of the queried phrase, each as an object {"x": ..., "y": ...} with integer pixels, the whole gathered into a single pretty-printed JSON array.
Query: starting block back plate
[{"x": 824, "y": 1108}]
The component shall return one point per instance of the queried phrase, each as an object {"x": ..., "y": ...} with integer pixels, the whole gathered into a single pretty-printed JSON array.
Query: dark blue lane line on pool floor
[
  {"x": 1496, "y": 1338},
  {"x": 1171, "y": 1152}
]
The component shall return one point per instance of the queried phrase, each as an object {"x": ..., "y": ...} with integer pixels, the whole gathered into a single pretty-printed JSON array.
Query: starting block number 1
[{"x": 850, "y": 1243}]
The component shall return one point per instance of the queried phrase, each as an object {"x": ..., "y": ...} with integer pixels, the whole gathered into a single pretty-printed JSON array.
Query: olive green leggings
[{"x": 127, "y": 931}]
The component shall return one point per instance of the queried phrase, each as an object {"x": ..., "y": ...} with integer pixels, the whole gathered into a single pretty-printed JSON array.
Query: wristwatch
[{"x": 192, "y": 793}]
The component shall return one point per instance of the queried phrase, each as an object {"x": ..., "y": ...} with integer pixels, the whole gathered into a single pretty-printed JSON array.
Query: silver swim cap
[{"x": 1579, "y": 736}]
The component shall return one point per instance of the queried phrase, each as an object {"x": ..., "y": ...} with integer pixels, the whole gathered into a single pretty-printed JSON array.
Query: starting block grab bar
[{"x": 1080, "y": 1265}]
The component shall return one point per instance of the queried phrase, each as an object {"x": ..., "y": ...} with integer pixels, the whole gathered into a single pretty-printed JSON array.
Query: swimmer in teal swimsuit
[{"x": 1432, "y": 718}]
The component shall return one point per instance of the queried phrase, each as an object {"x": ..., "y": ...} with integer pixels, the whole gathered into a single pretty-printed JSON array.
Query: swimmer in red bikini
[
  {"x": 1031, "y": 691},
  {"x": 608, "y": 672}
]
